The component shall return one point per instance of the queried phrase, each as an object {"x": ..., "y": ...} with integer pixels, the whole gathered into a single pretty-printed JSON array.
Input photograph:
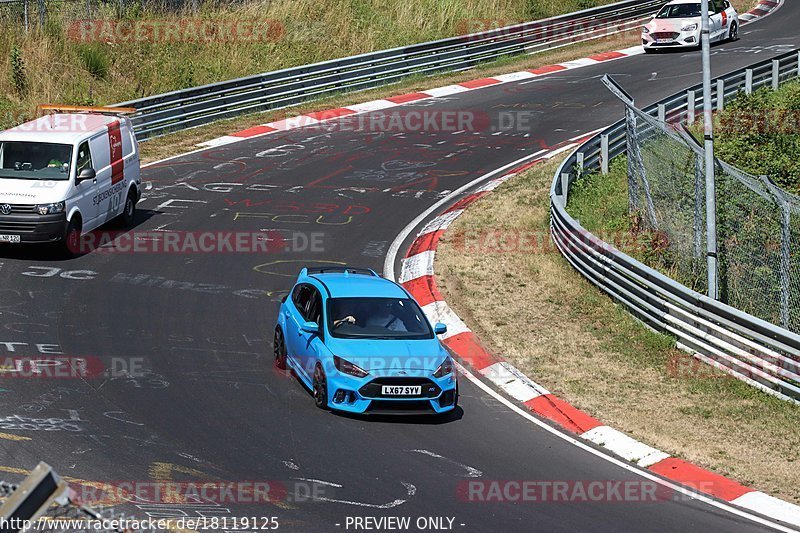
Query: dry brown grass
[
  {"x": 311, "y": 31},
  {"x": 539, "y": 313}
]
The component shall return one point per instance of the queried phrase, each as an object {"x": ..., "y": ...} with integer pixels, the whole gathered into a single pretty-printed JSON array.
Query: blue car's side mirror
[
  {"x": 440, "y": 329},
  {"x": 310, "y": 327}
]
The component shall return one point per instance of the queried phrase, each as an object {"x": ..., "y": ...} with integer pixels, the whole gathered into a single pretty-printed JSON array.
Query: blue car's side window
[{"x": 300, "y": 297}]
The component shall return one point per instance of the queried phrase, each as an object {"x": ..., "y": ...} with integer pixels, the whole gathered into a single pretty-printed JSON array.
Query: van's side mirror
[{"x": 86, "y": 174}]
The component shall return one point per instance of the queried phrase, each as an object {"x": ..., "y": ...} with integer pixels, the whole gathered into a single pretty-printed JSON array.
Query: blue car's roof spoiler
[{"x": 311, "y": 271}]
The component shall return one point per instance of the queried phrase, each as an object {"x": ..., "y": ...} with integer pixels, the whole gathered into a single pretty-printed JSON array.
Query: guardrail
[
  {"x": 188, "y": 108},
  {"x": 750, "y": 349}
]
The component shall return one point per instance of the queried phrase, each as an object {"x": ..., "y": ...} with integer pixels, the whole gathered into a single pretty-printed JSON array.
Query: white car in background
[{"x": 678, "y": 24}]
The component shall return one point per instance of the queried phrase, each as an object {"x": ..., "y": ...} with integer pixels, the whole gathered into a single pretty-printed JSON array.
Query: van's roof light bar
[{"x": 86, "y": 109}]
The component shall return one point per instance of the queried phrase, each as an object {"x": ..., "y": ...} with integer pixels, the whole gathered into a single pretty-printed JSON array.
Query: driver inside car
[{"x": 385, "y": 315}]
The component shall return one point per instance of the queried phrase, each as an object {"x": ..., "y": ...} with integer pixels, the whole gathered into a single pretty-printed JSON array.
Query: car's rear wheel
[
  {"x": 320, "y": 388},
  {"x": 279, "y": 348},
  {"x": 734, "y": 33}
]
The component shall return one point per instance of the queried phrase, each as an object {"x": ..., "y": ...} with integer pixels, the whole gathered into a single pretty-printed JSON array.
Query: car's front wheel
[
  {"x": 71, "y": 243},
  {"x": 320, "y": 388},
  {"x": 279, "y": 348}
]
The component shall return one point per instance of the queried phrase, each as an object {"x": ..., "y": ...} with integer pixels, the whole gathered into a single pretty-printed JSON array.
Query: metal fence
[
  {"x": 757, "y": 222},
  {"x": 752, "y": 349},
  {"x": 188, "y": 108}
]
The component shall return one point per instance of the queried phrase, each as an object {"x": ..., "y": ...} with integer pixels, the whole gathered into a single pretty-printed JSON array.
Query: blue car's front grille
[
  {"x": 373, "y": 388},
  {"x": 411, "y": 407}
]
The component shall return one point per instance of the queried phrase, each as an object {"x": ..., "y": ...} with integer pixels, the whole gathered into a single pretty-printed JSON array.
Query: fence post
[
  {"x": 25, "y": 10},
  {"x": 699, "y": 202},
  {"x": 776, "y": 74},
  {"x": 662, "y": 112},
  {"x": 690, "y": 103},
  {"x": 786, "y": 265},
  {"x": 798, "y": 64},
  {"x": 580, "y": 158},
  {"x": 720, "y": 94},
  {"x": 42, "y": 13},
  {"x": 604, "y": 154},
  {"x": 564, "y": 187},
  {"x": 748, "y": 81}
]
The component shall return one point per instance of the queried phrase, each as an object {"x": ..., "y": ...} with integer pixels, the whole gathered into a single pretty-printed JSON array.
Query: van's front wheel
[{"x": 71, "y": 244}]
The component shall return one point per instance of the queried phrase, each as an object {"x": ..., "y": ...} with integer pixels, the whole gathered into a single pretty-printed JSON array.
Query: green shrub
[{"x": 94, "y": 61}]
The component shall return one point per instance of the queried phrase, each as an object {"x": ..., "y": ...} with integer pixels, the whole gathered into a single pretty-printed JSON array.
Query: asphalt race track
[{"x": 201, "y": 399}]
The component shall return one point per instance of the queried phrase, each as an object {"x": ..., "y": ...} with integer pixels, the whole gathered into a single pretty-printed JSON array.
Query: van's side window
[{"x": 84, "y": 157}]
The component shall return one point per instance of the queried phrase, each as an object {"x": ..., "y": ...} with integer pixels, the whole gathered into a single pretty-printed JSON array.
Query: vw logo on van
[{"x": 5, "y": 209}]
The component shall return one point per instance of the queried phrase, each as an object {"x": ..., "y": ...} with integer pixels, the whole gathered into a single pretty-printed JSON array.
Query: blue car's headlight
[
  {"x": 50, "y": 209},
  {"x": 346, "y": 367},
  {"x": 444, "y": 369}
]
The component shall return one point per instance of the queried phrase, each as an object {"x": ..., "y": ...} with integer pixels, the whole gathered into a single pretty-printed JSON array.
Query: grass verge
[
  {"x": 107, "y": 56},
  {"x": 531, "y": 307}
]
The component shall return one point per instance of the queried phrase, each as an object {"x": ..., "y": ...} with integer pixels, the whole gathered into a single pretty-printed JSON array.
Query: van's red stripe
[{"x": 115, "y": 152}]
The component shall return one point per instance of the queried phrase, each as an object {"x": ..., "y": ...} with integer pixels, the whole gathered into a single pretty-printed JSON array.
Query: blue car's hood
[{"x": 372, "y": 355}]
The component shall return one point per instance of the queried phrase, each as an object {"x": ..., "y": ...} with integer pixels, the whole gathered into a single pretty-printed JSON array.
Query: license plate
[
  {"x": 663, "y": 41},
  {"x": 401, "y": 390},
  {"x": 10, "y": 238}
]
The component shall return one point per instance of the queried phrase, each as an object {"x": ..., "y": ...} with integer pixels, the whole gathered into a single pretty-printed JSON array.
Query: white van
[{"x": 65, "y": 174}]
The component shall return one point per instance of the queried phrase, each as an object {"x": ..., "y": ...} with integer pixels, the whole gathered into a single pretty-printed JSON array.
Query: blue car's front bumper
[{"x": 364, "y": 395}]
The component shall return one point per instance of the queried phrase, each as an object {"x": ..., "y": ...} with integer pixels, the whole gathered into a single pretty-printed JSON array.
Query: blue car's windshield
[{"x": 377, "y": 318}]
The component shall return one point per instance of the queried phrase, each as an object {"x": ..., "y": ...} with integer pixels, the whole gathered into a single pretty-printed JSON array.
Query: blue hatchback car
[{"x": 362, "y": 344}]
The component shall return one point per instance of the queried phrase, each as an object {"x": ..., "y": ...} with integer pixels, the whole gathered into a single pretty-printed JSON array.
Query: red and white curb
[
  {"x": 764, "y": 8},
  {"x": 417, "y": 276},
  {"x": 311, "y": 119}
]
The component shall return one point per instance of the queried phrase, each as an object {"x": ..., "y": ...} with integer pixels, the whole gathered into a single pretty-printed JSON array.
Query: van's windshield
[{"x": 34, "y": 160}]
